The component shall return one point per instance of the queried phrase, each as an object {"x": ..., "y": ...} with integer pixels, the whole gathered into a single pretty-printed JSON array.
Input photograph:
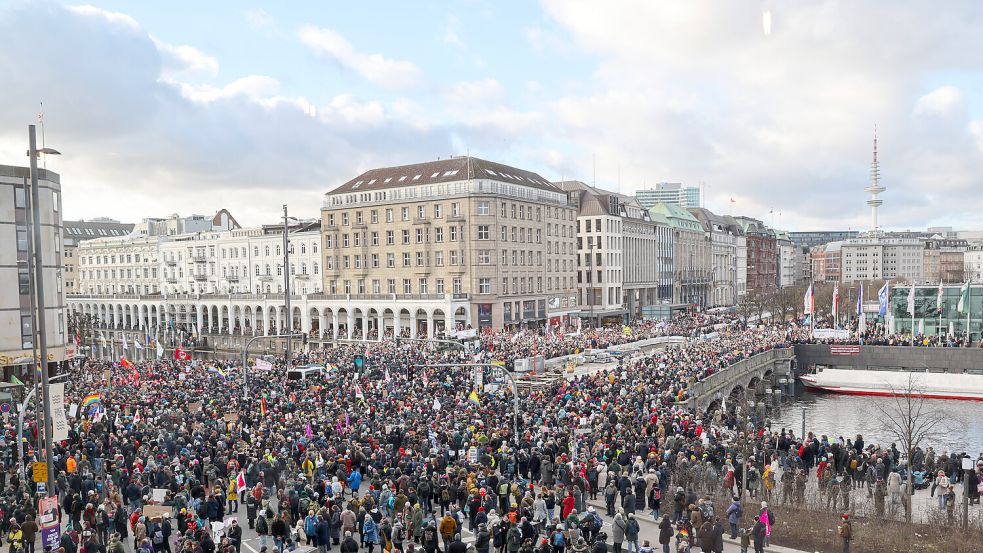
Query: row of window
[
  {"x": 375, "y": 286},
  {"x": 423, "y": 259}
]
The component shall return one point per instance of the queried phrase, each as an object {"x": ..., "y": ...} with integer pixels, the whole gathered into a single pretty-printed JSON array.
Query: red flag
[
  {"x": 125, "y": 363},
  {"x": 182, "y": 355}
]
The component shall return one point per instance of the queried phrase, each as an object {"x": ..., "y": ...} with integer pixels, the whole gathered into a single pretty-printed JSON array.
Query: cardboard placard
[
  {"x": 194, "y": 407},
  {"x": 230, "y": 417},
  {"x": 154, "y": 511}
]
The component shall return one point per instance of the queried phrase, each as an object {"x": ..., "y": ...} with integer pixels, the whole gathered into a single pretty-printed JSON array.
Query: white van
[{"x": 305, "y": 372}]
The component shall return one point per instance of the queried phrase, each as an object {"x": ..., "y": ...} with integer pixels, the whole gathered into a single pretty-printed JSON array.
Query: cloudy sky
[{"x": 163, "y": 107}]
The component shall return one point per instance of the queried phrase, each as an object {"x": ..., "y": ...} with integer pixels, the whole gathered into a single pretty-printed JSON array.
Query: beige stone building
[{"x": 450, "y": 244}]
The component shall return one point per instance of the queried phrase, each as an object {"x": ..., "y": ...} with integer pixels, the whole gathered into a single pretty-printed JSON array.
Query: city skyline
[{"x": 156, "y": 114}]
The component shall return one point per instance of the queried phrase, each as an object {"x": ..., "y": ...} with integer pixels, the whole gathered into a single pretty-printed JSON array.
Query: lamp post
[{"x": 39, "y": 317}]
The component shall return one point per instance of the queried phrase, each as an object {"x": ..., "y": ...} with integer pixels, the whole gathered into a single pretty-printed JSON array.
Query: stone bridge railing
[{"x": 720, "y": 384}]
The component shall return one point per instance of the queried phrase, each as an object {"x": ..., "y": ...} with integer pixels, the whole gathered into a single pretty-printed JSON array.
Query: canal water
[{"x": 838, "y": 415}]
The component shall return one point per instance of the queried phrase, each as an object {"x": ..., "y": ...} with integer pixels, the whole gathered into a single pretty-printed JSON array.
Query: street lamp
[
  {"x": 286, "y": 282},
  {"x": 39, "y": 312}
]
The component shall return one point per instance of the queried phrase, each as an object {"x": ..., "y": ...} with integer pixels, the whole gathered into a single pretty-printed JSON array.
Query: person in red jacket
[{"x": 568, "y": 505}]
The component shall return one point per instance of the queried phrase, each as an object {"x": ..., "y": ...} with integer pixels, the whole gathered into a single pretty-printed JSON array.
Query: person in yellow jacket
[
  {"x": 233, "y": 496},
  {"x": 71, "y": 464}
]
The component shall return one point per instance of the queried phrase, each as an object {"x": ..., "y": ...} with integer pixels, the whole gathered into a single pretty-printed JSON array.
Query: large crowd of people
[{"x": 411, "y": 450}]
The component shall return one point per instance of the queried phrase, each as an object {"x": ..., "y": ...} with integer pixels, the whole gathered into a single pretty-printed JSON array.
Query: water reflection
[{"x": 838, "y": 415}]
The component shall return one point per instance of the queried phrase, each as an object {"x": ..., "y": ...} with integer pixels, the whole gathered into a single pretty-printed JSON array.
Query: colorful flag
[
  {"x": 963, "y": 304},
  {"x": 125, "y": 363},
  {"x": 882, "y": 299},
  {"x": 358, "y": 392},
  {"x": 181, "y": 355},
  {"x": 136, "y": 417},
  {"x": 216, "y": 371},
  {"x": 474, "y": 399},
  {"x": 137, "y": 344},
  {"x": 808, "y": 302},
  {"x": 308, "y": 431},
  {"x": 911, "y": 301},
  {"x": 91, "y": 399},
  {"x": 262, "y": 406},
  {"x": 241, "y": 481},
  {"x": 15, "y": 380}
]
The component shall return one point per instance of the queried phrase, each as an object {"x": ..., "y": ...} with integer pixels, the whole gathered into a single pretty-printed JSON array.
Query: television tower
[{"x": 874, "y": 188}]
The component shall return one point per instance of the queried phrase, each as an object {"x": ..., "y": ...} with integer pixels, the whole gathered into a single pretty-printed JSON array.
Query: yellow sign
[{"x": 40, "y": 472}]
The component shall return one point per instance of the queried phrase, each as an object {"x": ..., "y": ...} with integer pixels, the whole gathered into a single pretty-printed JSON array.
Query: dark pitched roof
[
  {"x": 443, "y": 170},
  {"x": 88, "y": 230}
]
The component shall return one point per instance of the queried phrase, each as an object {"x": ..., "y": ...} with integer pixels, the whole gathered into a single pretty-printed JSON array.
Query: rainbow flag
[
  {"x": 474, "y": 399},
  {"x": 90, "y": 399},
  {"x": 262, "y": 407},
  {"x": 216, "y": 371}
]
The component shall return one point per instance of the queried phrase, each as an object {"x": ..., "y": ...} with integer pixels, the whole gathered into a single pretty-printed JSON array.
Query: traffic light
[{"x": 359, "y": 362}]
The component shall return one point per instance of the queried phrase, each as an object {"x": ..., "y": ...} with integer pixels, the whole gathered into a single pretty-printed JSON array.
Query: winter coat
[{"x": 618, "y": 526}]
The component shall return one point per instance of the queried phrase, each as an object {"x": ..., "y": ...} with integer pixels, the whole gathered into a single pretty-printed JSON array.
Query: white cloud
[
  {"x": 258, "y": 18},
  {"x": 138, "y": 142},
  {"x": 469, "y": 93},
  {"x": 185, "y": 58},
  {"x": 941, "y": 101},
  {"x": 695, "y": 91},
  {"x": 375, "y": 68},
  {"x": 116, "y": 18}
]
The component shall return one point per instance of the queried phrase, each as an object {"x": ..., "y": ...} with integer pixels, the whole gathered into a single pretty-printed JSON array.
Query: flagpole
[
  {"x": 969, "y": 309},
  {"x": 913, "y": 313}
]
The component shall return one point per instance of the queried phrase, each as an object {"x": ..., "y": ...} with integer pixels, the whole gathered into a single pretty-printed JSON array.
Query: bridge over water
[{"x": 756, "y": 374}]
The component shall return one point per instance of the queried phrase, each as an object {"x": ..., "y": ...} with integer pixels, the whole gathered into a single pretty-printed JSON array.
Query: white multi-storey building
[
  {"x": 882, "y": 257},
  {"x": 119, "y": 265},
  {"x": 242, "y": 261},
  {"x": 618, "y": 253},
  {"x": 786, "y": 260},
  {"x": 973, "y": 263}
]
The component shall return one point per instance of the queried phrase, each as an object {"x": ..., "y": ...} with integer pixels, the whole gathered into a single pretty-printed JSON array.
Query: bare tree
[{"x": 911, "y": 420}]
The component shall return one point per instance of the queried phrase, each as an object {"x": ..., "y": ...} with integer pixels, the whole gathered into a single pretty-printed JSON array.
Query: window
[
  {"x": 23, "y": 280},
  {"x": 346, "y": 262},
  {"x": 439, "y": 259},
  {"x": 484, "y": 286},
  {"x": 438, "y": 235},
  {"x": 484, "y": 257},
  {"x": 390, "y": 260},
  {"x": 344, "y": 241},
  {"x": 389, "y": 215},
  {"x": 26, "y": 332},
  {"x": 419, "y": 236},
  {"x": 419, "y": 259},
  {"x": 358, "y": 238},
  {"x": 456, "y": 286},
  {"x": 453, "y": 257},
  {"x": 406, "y": 259},
  {"x": 358, "y": 217},
  {"x": 348, "y": 287},
  {"x": 20, "y": 198},
  {"x": 390, "y": 238},
  {"x": 483, "y": 232},
  {"x": 391, "y": 286},
  {"x": 505, "y": 286},
  {"x": 405, "y": 214},
  {"x": 331, "y": 220},
  {"x": 376, "y": 288},
  {"x": 453, "y": 234},
  {"x": 437, "y": 211},
  {"x": 423, "y": 286},
  {"x": 455, "y": 209},
  {"x": 21, "y": 232},
  {"x": 375, "y": 238},
  {"x": 440, "y": 286},
  {"x": 344, "y": 218},
  {"x": 421, "y": 212},
  {"x": 406, "y": 236},
  {"x": 505, "y": 233},
  {"x": 375, "y": 261},
  {"x": 483, "y": 208},
  {"x": 361, "y": 286},
  {"x": 504, "y": 207},
  {"x": 407, "y": 286}
]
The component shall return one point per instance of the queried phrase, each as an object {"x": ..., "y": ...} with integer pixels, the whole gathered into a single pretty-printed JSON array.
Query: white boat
[{"x": 863, "y": 382}]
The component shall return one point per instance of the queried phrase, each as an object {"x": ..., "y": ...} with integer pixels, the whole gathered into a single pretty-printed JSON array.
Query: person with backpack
[
  {"x": 310, "y": 528},
  {"x": 631, "y": 533},
  {"x": 734, "y": 513},
  {"x": 845, "y": 531},
  {"x": 430, "y": 538}
]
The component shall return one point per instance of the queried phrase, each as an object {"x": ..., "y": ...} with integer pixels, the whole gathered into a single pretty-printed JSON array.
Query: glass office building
[{"x": 930, "y": 320}]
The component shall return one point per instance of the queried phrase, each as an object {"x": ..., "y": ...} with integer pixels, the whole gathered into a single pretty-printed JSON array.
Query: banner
[
  {"x": 59, "y": 424},
  {"x": 830, "y": 334},
  {"x": 263, "y": 365}
]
